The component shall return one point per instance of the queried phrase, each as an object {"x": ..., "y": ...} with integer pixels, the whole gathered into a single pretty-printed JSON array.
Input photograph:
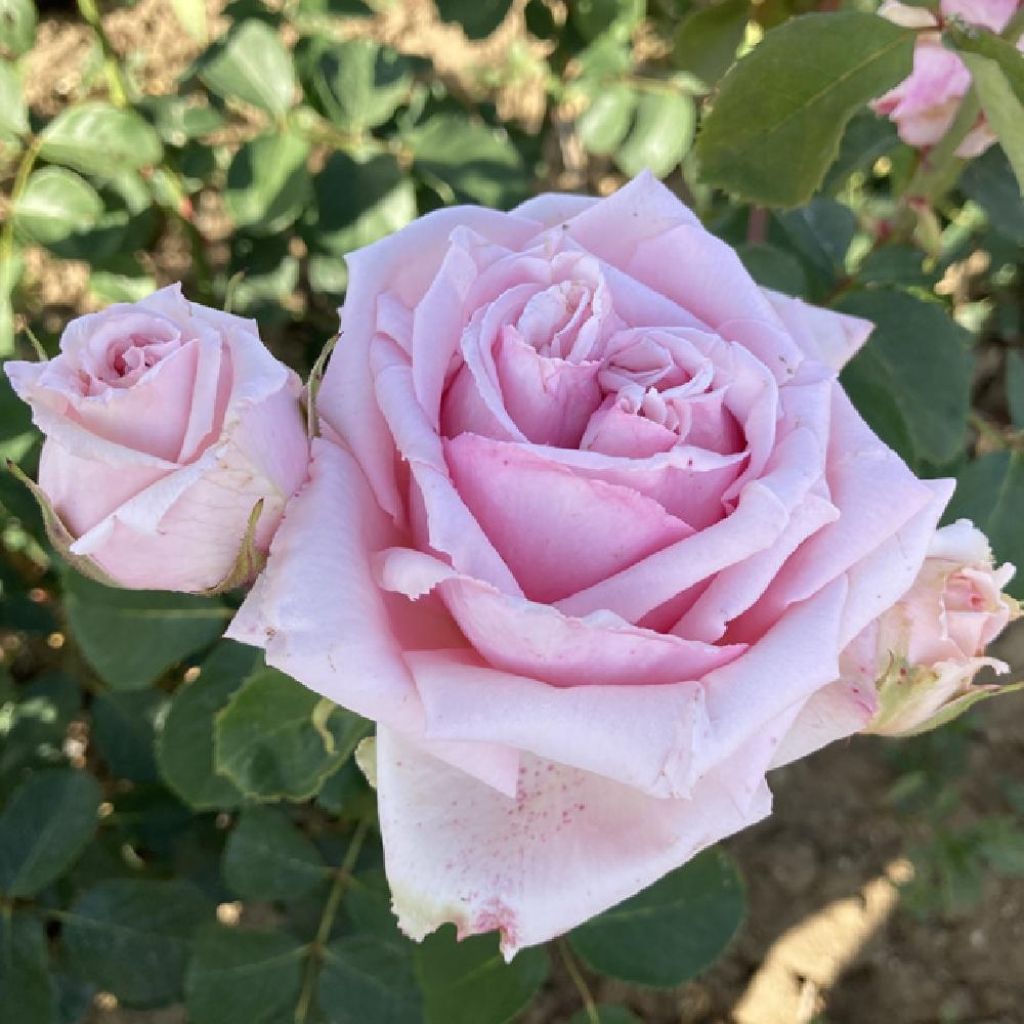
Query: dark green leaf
[
  {"x": 773, "y": 267},
  {"x": 897, "y": 265},
  {"x": 268, "y": 858},
  {"x": 707, "y": 39},
  {"x": 607, "y": 1015},
  {"x": 131, "y": 637},
  {"x": 671, "y": 931},
  {"x": 33, "y": 727},
  {"x": 98, "y": 138},
  {"x": 777, "y": 122},
  {"x": 1015, "y": 387},
  {"x": 268, "y": 184},
  {"x": 478, "y": 18},
  {"x": 27, "y": 993},
  {"x": 264, "y": 273},
  {"x": 912, "y": 380},
  {"x": 990, "y": 182},
  {"x": 56, "y": 204},
  {"x": 366, "y": 979},
  {"x": 251, "y": 64},
  {"x": 867, "y": 137},
  {"x": 132, "y": 937},
  {"x": 184, "y": 746},
  {"x": 276, "y": 739},
  {"x": 468, "y": 982},
  {"x": 124, "y": 730},
  {"x": 17, "y": 26},
  {"x": 13, "y": 112},
  {"x": 45, "y": 825},
  {"x": 603, "y": 126},
  {"x": 238, "y": 976},
  {"x": 661, "y": 135},
  {"x": 819, "y": 234},
  {"x": 470, "y": 160}
]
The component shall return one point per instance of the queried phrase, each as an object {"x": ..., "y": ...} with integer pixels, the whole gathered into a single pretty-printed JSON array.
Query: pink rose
[
  {"x": 166, "y": 423},
  {"x": 923, "y": 653},
  {"x": 924, "y": 105},
  {"x": 590, "y": 521}
]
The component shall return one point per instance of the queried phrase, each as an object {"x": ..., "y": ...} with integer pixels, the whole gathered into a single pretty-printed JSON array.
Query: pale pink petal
[
  {"x": 552, "y": 208},
  {"x": 991, "y": 14},
  {"x": 823, "y": 335}
]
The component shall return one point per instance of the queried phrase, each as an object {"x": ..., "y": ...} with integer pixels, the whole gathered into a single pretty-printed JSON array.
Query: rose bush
[
  {"x": 167, "y": 423},
  {"x": 587, "y": 528},
  {"x": 924, "y": 105}
]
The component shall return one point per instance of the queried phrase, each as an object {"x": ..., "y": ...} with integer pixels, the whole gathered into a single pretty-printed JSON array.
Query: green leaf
[
  {"x": 990, "y": 492},
  {"x": 780, "y": 114},
  {"x": 268, "y": 858},
  {"x": 27, "y": 992},
  {"x": 606, "y": 1015},
  {"x": 101, "y": 139},
  {"x": 17, "y": 26},
  {"x": 469, "y": 160},
  {"x": 661, "y": 135},
  {"x": 366, "y": 979},
  {"x": 478, "y": 18},
  {"x": 56, "y": 204},
  {"x": 592, "y": 18},
  {"x": 184, "y": 745},
  {"x": 1015, "y": 387},
  {"x": 990, "y": 182},
  {"x": 468, "y": 982},
  {"x": 670, "y": 932},
  {"x": 773, "y": 267},
  {"x": 1003, "y": 106},
  {"x": 178, "y": 119},
  {"x": 45, "y": 825},
  {"x": 251, "y": 64},
  {"x": 707, "y": 39},
  {"x": 33, "y": 728},
  {"x": 276, "y": 739},
  {"x": 123, "y": 726},
  {"x": 13, "y": 112},
  {"x": 912, "y": 380},
  {"x": 357, "y": 84},
  {"x": 131, "y": 637},
  {"x": 971, "y": 39},
  {"x": 125, "y": 281},
  {"x": 603, "y": 126},
  {"x": 867, "y": 137},
  {"x": 237, "y": 976},
  {"x": 132, "y": 937},
  {"x": 268, "y": 185},
  {"x": 264, "y": 273}
]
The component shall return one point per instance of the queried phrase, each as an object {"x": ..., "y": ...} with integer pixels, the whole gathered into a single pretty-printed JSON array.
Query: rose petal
[{"x": 826, "y": 336}]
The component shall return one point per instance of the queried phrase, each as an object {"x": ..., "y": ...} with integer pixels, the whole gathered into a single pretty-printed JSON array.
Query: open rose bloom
[
  {"x": 924, "y": 105},
  {"x": 588, "y": 527}
]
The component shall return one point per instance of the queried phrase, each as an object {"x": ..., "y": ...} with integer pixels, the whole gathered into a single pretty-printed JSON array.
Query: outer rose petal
[
  {"x": 991, "y": 14},
  {"x": 569, "y": 845},
  {"x": 552, "y": 208},
  {"x": 830, "y": 338}
]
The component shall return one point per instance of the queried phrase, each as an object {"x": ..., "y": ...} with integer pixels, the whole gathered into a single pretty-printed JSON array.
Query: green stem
[
  {"x": 315, "y": 952},
  {"x": 579, "y": 981},
  {"x": 116, "y": 82},
  {"x": 7, "y": 283}
]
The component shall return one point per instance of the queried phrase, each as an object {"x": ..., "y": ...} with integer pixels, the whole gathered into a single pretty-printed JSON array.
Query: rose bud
[
  {"x": 924, "y": 653},
  {"x": 924, "y": 105},
  {"x": 173, "y": 440}
]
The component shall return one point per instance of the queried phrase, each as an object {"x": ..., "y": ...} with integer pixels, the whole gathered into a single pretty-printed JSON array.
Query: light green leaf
[
  {"x": 13, "y": 112},
  {"x": 17, "y": 26},
  {"x": 56, "y": 204},
  {"x": 47, "y": 822},
  {"x": 132, "y": 937},
  {"x": 970, "y": 39},
  {"x": 912, "y": 380},
  {"x": 661, "y": 135},
  {"x": 131, "y": 637},
  {"x": 251, "y": 64},
  {"x": 268, "y": 858},
  {"x": 776, "y": 124},
  {"x": 364, "y": 978},
  {"x": 468, "y": 982},
  {"x": 268, "y": 185},
  {"x": 1003, "y": 106},
  {"x": 478, "y": 18},
  {"x": 603, "y": 126},
  {"x": 707, "y": 38},
  {"x": 237, "y": 976},
  {"x": 126, "y": 281},
  {"x": 670, "y": 932},
  {"x": 27, "y": 992},
  {"x": 184, "y": 745},
  {"x": 274, "y": 740},
  {"x": 97, "y": 138}
]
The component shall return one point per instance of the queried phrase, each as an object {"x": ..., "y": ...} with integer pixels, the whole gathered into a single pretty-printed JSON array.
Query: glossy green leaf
[
  {"x": 184, "y": 745},
  {"x": 252, "y": 64},
  {"x": 238, "y": 976},
  {"x": 124, "y": 729},
  {"x": 671, "y": 931},
  {"x": 778, "y": 119},
  {"x": 27, "y": 992},
  {"x": 661, "y": 135},
  {"x": 478, "y": 18},
  {"x": 13, "y": 112},
  {"x": 46, "y": 823},
  {"x": 912, "y": 380},
  {"x": 97, "y": 138},
  {"x": 131, "y": 637},
  {"x": 276, "y": 739},
  {"x": 132, "y": 937},
  {"x": 603, "y": 126},
  {"x": 364, "y": 978},
  {"x": 268, "y": 185},
  {"x": 708, "y": 37},
  {"x": 56, "y": 204},
  {"x": 469, "y": 161},
  {"x": 268, "y": 858},
  {"x": 17, "y": 26},
  {"x": 468, "y": 982}
]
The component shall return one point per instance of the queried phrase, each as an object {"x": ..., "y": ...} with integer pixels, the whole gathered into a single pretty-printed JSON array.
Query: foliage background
[{"x": 156, "y": 848}]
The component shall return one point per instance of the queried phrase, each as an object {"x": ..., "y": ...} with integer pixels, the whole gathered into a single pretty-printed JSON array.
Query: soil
[{"x": 829, "y": 938}]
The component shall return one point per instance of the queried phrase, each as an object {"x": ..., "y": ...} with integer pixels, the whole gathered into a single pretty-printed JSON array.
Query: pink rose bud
[
  {"x": 924, "y": 105},
  {"x": 173, "y": 440},
  {"x": 925, "y": 651}
]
